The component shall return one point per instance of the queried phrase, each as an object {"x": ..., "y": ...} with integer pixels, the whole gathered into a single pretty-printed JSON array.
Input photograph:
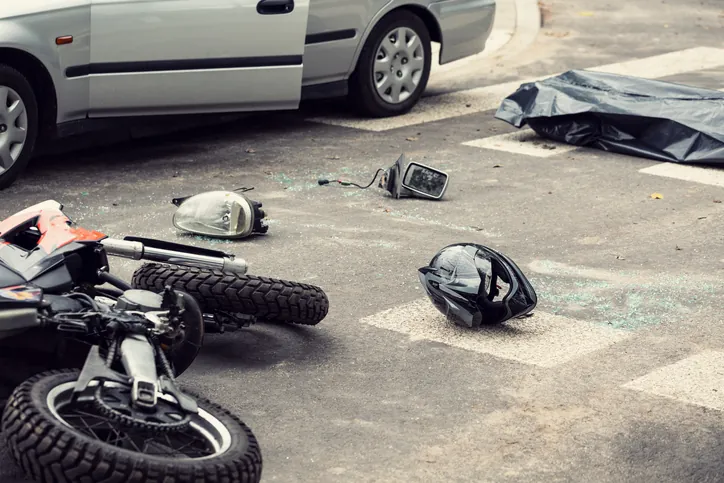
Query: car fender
[
  {"x": 35, "y": 34},
  {"x": 389, "y": 6},
  {"x": 14, "y": 35}
]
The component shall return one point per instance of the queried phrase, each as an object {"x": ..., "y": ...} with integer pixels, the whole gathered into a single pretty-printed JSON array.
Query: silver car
[{"x": 65, "y": 63}]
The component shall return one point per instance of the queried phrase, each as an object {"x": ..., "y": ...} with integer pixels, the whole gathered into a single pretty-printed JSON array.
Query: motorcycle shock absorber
[{"x": 137, "y": 250}]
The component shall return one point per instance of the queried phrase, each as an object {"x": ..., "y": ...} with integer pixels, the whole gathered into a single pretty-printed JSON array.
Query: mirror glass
[
  {"x": 215, "y": 213},
  {"x": 424, "y": 179}
]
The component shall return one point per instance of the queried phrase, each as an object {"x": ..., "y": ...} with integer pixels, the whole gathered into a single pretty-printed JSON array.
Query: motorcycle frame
[
  {"x": 57, "y": 236},
  {"x": 138, "y": 359},
  {"x": 65, "y": 257}
]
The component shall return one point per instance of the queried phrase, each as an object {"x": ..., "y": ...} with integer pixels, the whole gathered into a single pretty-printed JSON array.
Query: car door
[{"x": 186, "y": 56}]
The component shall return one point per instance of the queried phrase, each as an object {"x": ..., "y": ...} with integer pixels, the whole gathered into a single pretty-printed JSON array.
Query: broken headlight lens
[{"x": 221, "y": 214}]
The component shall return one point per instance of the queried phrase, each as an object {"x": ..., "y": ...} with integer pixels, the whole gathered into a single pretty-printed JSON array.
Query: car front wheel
[
  {"x": 18, "y": 124},
  {"x": 394, "y": 66}
]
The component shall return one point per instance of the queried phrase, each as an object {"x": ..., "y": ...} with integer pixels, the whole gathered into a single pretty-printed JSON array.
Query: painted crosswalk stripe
[
  {"x": 481, "y": 99},
  {"x": 698, "y": 380},
  {"x": 543, "y": 340},
  {"x": 695, "y": 174},
  {"x": 525, "y": 141}
]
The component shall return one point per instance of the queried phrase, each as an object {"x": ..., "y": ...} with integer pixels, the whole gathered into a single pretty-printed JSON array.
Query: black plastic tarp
[{"x": 629, "y": 115}]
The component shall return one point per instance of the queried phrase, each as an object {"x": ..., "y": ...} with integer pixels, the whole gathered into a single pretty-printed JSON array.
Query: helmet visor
[
  {"x": 523, "y": 299},
  {"x": 473, "y": 271},
  {"x": 478, "y": 282}
]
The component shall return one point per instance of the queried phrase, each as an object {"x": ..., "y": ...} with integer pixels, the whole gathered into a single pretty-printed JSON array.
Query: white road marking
[
  {"x": 543, "y": 340},
  {"x": 696, "y": 174},
  {"x": 525, "y": 141},
  {"x": 482, "y": 99},
  {"x": 698, "y": 380}
]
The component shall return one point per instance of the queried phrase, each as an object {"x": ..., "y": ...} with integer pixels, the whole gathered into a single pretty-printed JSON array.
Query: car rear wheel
[
  {"x": 18, "y": 124},
  {"x": 394, "y": 66}
]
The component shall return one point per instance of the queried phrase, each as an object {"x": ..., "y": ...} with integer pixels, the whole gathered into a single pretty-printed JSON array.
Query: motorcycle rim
[{"x": 204, "y": 434}]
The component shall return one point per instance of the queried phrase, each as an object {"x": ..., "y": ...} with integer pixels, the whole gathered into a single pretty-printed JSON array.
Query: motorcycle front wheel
[
  {"x": 54, "y": 441},
  {"x": 268, "y": 299}
]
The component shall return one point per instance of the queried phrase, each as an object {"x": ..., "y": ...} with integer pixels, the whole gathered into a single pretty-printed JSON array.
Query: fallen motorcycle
[
  {"x": 229, "y": 297},
  {"x": 92, "y": 361},
  {"x": 233, "y": 300}
]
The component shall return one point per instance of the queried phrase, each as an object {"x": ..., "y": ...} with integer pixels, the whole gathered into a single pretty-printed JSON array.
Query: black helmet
[{"x": 473, "y": 285}]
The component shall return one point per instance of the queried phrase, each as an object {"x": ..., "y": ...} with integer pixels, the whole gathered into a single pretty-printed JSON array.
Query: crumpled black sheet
[{"x": 622, "y": 114}]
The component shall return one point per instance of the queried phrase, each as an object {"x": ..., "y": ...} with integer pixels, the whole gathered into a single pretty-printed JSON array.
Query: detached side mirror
[
  {"x": 424, "y": 181},
  {"x": 418, "y": 181},
  {"x": 220, "y": 214}
]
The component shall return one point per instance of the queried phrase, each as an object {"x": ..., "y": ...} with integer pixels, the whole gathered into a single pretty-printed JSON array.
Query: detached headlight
[{"x": 220, "y": 214}]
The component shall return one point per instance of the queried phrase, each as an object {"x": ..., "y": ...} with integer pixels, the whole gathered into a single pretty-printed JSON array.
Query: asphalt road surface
[{"x": 619, "y": 376}]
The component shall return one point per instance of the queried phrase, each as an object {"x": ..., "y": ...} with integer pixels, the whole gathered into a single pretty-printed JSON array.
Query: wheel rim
[
  {"x": 205, "y": 437},
  {"x": 13, "y": 127},
  {"x": 399, "y": 65}
]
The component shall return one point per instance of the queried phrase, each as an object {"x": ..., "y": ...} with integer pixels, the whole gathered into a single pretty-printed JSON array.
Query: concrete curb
[
  {"x": 528, "y": 24},
  {"x": 517, "y": 23}
]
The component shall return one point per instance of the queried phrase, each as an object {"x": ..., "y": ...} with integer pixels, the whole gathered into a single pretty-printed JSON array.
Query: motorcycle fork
[{"x": 139, "y": 361}]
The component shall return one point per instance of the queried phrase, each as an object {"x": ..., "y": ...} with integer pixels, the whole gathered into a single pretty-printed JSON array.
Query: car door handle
[{"x": 274, "y": 7}]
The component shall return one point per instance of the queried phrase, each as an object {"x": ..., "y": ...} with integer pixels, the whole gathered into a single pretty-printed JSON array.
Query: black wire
[
  {"x": 85, "y": 297},
  {"x": 371, "y": 182},
  {"x": 349, "y": 183}
]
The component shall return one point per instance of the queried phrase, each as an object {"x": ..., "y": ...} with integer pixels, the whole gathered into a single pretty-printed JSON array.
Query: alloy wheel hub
[
  {"x": 399, "y": 65},
  {"x": 13, "y": 127},
  {"x": 398, "y": 68}
]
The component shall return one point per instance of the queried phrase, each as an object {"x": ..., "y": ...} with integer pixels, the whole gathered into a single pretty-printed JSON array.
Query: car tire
[
  {"x": 364, "y": 92},
  {"x": 18, "y": 90}
]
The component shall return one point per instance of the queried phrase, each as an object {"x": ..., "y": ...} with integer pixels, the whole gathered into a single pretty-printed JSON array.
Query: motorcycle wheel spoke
[
  {"x": 113, "y": 437},
  {"x": 98, "y": 424},
  {"x": 193, "y": 440},
  {"x": 170, "y": 445},
  {"x": 86, "y": 428},
  {"x": 184, "y": 444},
  {"x": 176, "y": 445}
]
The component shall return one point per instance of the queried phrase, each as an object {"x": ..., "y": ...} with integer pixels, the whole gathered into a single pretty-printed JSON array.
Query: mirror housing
[
  {"x": 415, "y": 181},
  {"x": 220, "y": 214}
]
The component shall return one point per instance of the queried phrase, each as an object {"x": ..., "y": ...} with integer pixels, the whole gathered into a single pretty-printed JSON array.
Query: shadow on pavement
[
  {"x": 183, "y": 135},
  {"x": 266, "y": 344}
]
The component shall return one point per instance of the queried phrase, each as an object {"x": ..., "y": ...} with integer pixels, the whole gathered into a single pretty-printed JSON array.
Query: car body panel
[
  {"x": 32, "y": 27},
  {"x": 27, "y": 8},
  {"x": 167, "y": 56},
  {"x": 465, "y": 26},
  {"x": 335, "y": 31},
  {"x": 115, "y": 64}
]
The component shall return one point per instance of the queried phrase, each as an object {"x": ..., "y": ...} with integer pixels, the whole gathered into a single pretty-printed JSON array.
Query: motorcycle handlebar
[{"x": 138, "y": 251}]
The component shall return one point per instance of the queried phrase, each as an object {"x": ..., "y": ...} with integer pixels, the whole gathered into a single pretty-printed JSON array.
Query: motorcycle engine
[{"x": 139, "y": 301}]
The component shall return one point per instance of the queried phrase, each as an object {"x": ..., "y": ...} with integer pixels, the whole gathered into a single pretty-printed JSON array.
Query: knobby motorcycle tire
[
  {"x": 268, "y": 299},
  {"x": 48, "y": 451}
]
